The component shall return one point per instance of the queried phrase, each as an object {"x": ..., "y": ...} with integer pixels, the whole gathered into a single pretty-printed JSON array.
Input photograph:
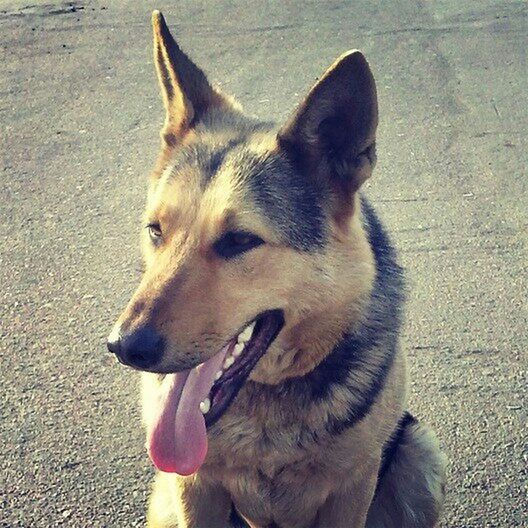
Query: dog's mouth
[
  {"x": 192, "y": 400},
  {"x": 243, "y": 354}
]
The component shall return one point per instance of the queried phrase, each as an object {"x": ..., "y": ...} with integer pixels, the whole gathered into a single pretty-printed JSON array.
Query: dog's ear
[
  {"x": 331, "y": 136},
  {"x": 186, "y": 91}
]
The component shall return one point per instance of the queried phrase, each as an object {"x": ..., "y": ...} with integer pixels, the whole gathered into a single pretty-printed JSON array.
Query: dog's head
[{"x": 252, "y": 245}]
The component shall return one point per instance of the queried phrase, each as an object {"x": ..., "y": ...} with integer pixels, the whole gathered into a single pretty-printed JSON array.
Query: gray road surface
[{"x": 79, "y": 116}]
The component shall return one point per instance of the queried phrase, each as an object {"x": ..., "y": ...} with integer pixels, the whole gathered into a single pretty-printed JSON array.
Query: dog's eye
[
  {"x": 154, "y": 230},
  {"x": 235, "y": 243}
]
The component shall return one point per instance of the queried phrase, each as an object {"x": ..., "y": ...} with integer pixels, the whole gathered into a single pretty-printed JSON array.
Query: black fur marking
[
  {"x": 359, "y": 409},
  {"x": 237, "y": 521},
  {"x": 391, "y": 446},
  {"x": 289, "y": 200},
  {"x": 207, "y": 157},
  {"x": 353, "y": 353},
  {"x": 382, "y": 322}
]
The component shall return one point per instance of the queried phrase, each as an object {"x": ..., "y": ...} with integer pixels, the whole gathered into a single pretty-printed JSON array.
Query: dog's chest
[
  {"x": 273, "y": 469},
  {"x": 288, "y": 498},
  {"x": 272, "y": 485}
]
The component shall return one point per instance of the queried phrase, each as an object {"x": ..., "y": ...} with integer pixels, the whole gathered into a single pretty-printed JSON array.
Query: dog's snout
[{"x": 141, "y": 348}]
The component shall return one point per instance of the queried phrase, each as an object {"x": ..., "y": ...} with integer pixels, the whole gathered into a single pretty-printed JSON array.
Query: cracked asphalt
[{"x": 79, "y": 116}]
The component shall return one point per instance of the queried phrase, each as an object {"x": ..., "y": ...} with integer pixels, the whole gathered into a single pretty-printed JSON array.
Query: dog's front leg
[
  {"x": 348, "y": 506},
  {"x": 187, "y": 502}
]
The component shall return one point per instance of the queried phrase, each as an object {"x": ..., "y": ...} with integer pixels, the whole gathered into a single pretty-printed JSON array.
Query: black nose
[
  {"x": 113, "y": 343},
  {"x": 141, "y": 349}
]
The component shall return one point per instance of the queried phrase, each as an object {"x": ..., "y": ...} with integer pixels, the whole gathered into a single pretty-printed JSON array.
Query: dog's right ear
[
  {"x": 332, "y": 134},
  {"x": 186, "y": 92}
]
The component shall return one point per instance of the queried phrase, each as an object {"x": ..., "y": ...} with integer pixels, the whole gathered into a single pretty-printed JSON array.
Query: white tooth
[
  {"x": 229, "y": 361},
  {"x": 218, "y": 375},
  {"x": 238, "y": 349},
  {"x": 205, "y": 406},
  {"x": 246, "y": 334}
]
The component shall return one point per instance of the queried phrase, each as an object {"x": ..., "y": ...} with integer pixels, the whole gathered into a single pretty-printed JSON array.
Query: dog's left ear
[
  {"x": 186, "y": 92},
  {"x": 331, "y": 136}
]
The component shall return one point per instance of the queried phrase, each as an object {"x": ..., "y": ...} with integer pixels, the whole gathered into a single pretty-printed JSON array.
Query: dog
[{"x": 267, "y": 318}]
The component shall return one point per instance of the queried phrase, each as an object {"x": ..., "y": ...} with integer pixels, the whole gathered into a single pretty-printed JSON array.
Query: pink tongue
[{"x": 177, "y": 441}]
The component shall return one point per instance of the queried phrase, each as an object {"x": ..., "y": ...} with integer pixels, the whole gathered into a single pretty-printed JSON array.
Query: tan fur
[{"x": 255, "y": 461}]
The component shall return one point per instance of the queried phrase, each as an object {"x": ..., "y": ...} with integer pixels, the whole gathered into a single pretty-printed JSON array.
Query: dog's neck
[{"x": 304, "y": 344}]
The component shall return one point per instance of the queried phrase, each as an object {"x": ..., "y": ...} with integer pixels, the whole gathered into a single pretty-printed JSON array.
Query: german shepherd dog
[{"x": 267, "y": 318}]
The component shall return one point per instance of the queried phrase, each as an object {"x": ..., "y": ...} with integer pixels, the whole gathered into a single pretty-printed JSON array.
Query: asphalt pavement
[{"x": 79, "y": 119}]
